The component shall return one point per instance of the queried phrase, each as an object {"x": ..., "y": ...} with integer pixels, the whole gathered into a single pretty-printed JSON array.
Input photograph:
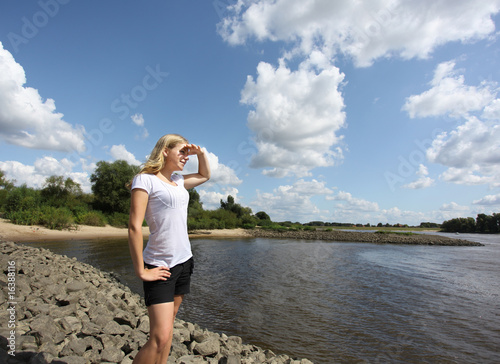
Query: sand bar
[{"x": 23, "y": 233}]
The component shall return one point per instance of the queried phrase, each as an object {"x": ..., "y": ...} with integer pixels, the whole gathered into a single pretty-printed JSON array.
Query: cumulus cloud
[
  {"x": 26, "y": 119},
  {"x": 365, "y": 30},
  {"x": 35, "y": 175},
  {"x": 471, "y": 151},
  {"x": 222, "y": 176},
  {"x": 295, "y": 118},
  {"x": 348, "y": 202},
  {"x": 453, "y": 206},
  {"x": 423, "y": 180},
  {"x": 449, "y": 95},
  {"x": 292, "y": 201},
  {"x": 211, "y": 199},
  {"x": 488, "y": 200},
  {"x": 119, "y": 152},
  {"x": 138, "y": 119}
]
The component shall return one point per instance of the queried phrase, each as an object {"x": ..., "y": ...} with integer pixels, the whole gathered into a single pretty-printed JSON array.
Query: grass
[{"x": 394, "y": 232}]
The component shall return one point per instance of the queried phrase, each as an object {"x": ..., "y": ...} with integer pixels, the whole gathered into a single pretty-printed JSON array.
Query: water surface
[{"x": 337, "y": 302}]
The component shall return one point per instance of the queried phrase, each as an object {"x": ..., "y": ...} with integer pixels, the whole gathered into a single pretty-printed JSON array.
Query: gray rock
[
  {"x": 191, "y": 359},
  {"x": 42, "y": 358},
  {"x": 74, "y": 347},
  {"x": 144, "y": 324},
  {"x": 113, "y": 328},
  {"x": 125, "y": 318},
  {"x": 112, "y": 355},
  {"x": 72, "y": 360},
  {"x": 89, "y": 328},
  {"x": 208, "y": 347},
  {"x": 46, "y": 330},
  {"x": 100, "y": 315},
  {"x": 71, "y": 324},
  {"x": 230, "y": 359}
]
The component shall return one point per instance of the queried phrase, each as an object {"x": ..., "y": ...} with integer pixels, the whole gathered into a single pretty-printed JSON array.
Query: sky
[{"x": 339, "y": 111}]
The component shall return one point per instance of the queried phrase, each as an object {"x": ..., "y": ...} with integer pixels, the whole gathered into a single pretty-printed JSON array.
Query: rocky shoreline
[
  {"x": 59, "y": 310},
  {"x": 363, "y": 237}
]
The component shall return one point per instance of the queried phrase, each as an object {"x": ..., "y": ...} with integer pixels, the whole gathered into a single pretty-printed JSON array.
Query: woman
[{"x": 166, "y": 264}]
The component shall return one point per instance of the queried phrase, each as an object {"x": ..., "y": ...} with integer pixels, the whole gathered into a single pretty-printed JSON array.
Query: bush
[
  {"x": 25, "y": 217},
  {"x": 119, "y": 219},
  {"x": 92, "y": 218},
  {"x": 22, "y": 198},
  {"x": 56, "y": 218}
]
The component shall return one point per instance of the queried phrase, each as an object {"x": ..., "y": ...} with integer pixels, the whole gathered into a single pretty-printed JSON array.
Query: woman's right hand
[{"x": 155, "y": 274}]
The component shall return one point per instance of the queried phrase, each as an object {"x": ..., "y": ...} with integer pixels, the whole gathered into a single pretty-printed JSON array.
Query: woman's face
[{"x": 176, "y": 157}]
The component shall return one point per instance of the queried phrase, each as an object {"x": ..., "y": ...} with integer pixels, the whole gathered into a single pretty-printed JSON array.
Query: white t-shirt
[{"x": 166, "y": 216}]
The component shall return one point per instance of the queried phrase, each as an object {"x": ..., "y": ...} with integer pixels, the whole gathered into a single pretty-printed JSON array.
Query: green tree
[
  {"x": 195, "y": 206},
  {"x": 230, "y": 205},
  {"x": 22, "y": 198},
  {"x": 261, "y": 215},
  {"x": 488, "y": 224},
  {"x": 58, "y": 191},
  {"x": 5, "y": 187},
  {"x": 460, "y": 225},
  {"x": 109, "y": 186}
]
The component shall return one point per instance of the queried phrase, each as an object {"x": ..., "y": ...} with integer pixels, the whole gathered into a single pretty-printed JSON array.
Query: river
[{"x": 334, "y": 302}]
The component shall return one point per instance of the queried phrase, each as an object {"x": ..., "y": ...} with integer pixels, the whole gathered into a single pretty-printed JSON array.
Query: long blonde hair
[{"x": 156, "y": 159}]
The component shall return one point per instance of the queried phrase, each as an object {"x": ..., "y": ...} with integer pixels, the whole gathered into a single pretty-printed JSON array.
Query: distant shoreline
[
  {"x": 24, "y": 233},
  {"x": 365, "y": 237}
]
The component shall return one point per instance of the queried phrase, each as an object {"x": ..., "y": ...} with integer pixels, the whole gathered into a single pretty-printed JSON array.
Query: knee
[{"x": 161, "y": 340}]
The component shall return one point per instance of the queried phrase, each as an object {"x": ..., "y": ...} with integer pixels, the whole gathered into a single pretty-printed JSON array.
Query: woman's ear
[{"x": 165, "y": 152}]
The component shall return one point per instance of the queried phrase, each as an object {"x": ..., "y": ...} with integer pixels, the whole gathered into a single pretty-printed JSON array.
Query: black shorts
[{"x": 178, "y": 283}]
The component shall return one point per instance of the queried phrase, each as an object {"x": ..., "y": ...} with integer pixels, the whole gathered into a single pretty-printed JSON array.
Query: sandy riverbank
[{"x": 21, "y": 233}]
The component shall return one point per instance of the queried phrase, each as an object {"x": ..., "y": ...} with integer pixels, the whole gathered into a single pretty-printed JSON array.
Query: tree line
[
  {"x": 61, "y": 203},
  {"x": 484, "y": 224}
]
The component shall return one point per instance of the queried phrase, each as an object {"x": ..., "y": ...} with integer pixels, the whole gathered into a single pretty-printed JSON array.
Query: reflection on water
[{"x": 337, "y": 302}]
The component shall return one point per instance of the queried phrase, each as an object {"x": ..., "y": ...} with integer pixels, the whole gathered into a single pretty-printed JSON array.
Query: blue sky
[{"x": 363, "y": 112}]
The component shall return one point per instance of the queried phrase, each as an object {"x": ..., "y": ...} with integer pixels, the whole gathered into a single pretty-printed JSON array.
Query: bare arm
[
  {"x": 138, "y": 204},
  {"x": 203, "y": 175}
]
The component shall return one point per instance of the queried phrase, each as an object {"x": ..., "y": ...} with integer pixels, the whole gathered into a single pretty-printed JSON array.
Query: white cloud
[
  {"x": 453, "y": 207},
  {"x": 292, "y": 202},
  {"x": 449, "y": 95},
  {"x": 35, "y": 175},
  {"x": 364, "y": 30},
  {"x": 348, "y": 202},
  {"x": 488, "y": 200},
  {"x": 119, "y": 152},
  {"x": 471, "y": 151},
  {"x": 138, "y": 119},
  {"x": 423, "y": 180},
  {"x": 211, "y": 199},
  {"x": 221, "y": 175},
  {"x": 27, "y": 120},
  {"x": 295, "y": 118},
  {"x": 492, "y": 111}
]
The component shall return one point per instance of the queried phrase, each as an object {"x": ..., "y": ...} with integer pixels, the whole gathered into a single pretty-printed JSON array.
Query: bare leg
[
  {"x": 161, "y": 330},
  {"x": 166, "y": 352}
]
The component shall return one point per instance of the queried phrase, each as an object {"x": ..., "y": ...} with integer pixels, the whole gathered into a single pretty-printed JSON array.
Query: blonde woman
[{"x": 166, "y": 264}]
